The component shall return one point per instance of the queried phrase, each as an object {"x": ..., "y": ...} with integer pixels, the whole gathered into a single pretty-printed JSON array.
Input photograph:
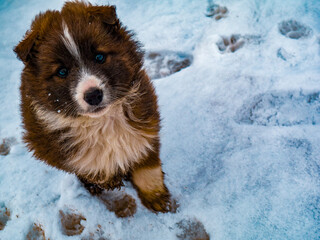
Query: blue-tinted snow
[{"x": 240, "y": 131}]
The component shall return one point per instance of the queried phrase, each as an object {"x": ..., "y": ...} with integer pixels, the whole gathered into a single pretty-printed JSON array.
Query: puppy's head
[{"x": 78, "y": 61}]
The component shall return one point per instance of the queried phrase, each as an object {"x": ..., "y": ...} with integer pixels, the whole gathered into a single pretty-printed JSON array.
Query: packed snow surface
[{"x": 240, "y": 125}]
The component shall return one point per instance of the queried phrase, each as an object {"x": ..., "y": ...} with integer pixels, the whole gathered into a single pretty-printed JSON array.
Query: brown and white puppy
[{"x": 88, "y": 107}]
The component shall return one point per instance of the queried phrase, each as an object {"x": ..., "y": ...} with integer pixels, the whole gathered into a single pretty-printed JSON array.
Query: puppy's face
[{"x": 78, "y": 61}]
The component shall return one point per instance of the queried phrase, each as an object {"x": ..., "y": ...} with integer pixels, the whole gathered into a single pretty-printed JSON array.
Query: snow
[{"x": 240, "y": 130}]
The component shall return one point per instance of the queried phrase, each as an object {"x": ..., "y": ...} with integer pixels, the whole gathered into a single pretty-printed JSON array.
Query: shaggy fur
[{"x": 67, "y": 54}]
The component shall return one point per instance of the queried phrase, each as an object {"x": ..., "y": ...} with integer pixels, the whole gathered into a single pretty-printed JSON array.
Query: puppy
[{"x": 87, "y": 105}]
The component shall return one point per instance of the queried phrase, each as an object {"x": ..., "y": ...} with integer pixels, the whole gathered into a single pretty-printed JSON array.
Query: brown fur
[{"x": 99, "y": 150}]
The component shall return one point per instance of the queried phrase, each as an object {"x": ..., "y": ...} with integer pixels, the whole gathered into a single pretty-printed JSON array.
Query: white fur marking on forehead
[{"x": 69, "y": 42}]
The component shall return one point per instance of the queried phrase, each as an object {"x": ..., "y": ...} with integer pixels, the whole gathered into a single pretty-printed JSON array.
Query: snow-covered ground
[{"x": 240, "y": 131}]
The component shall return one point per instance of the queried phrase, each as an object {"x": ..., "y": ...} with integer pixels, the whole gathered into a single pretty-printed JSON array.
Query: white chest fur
[{"x": 107, "y": 144}]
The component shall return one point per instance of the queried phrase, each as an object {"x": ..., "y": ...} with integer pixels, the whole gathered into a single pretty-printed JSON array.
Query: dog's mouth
[
  {"x": 99, "y": 109},
  {"x": 96, "y": 112}
]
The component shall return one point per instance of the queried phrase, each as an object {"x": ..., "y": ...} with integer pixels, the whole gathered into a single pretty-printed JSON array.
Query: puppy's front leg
[{"x": 149, "y": 182}]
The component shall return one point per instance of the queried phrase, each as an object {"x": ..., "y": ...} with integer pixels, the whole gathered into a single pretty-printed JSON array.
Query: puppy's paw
[
  {"x": 92, "y": 188},
  {"x": 159, "y": 201}
]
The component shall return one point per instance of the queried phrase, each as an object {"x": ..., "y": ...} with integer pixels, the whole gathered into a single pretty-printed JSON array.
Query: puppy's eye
[
  {"x": 62, "y": 72},
  {"x": 100, "y": 58}
]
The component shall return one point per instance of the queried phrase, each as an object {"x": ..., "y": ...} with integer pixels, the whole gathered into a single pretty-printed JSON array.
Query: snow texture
[{"x": 240, "y": 131}]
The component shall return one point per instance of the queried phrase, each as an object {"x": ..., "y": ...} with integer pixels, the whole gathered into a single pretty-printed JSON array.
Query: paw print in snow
[
  {"x": 216, "y": 11},
  {"x": 4, "y": 216},
  {"x": 71, "y": 223},
  {"x": 5, "y": 146},
  {"x": 281, "y": 109},
  {"x": 36, "y": 233},
  {"x": 191, "y": 229},
  {"x": 231, "y": 44},
  {"x": 293, "y": 29},
  {"x": 97, "y": 235},
  {"x": 284, "y": 55},
  {"x": 164, "y": 63},
  {"x": 236, "y": 41},
  {"x": 122, "y": 204}
]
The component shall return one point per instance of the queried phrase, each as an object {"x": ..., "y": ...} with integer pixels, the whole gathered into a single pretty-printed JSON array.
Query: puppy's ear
[
  {"x": 106, "y": 14},
  {"x": 23, "y": 49},
  {"x": 33, "y": 36}
]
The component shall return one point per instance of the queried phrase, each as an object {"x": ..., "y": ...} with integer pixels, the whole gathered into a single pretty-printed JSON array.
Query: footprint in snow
[
  {"x": 164, "y": 63},
  {"x": 230, "y": 44},
  {"x": 71, "y": 222},
  {"x": 122, "y": 204},
  {"x": 191, "y": 229},
  {"x": 4, "y": 216},
  {"x": 97, "y": 235},
  {"x": 5, "y": 145},
  {"x": 284, "y": 55},
  {"x": 216, "y": 11},
  {"x": 293, "y": 29},
  {"x": 281, "y": 109},
  {"x": 301, "y": 144},
  {"x": 36, "y": 233},
  {"x": 236, "y": 41},
  {"x": 302, "y": 158}
]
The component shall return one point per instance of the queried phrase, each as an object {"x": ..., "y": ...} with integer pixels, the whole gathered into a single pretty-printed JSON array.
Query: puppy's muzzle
[{"x": 93, "y": 96}]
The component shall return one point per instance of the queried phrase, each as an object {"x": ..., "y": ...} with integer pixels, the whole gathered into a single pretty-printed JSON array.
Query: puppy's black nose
[{"x": 93, "y": 96}]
